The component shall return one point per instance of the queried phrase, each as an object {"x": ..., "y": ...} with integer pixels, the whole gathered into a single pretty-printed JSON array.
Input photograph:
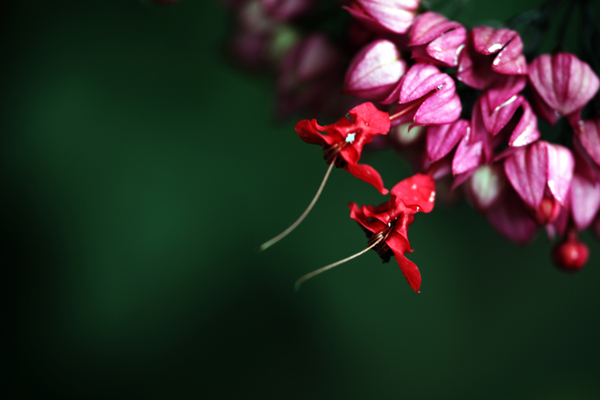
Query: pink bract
[
  {"x": 585, "y": 201},
  {"x": 435, "y": 39},
  {"x": 425, "y": 96},
  {"x": 533, "y": 169},
  {"x": 374, "y": 71},
  {"x": 394, "y": 16},
  {"x": 563, "y": 83},
  {"x": 441, "y": 139},
  {"x": 589, "y": 135},
  {"x": 489, "y": 54}
]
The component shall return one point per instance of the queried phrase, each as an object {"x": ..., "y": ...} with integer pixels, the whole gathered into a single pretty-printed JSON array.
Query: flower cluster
[{"x": 464, "y": 106}]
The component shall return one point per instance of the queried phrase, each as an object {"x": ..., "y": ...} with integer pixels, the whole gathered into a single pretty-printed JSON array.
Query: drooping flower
[
  {"x": 343, "y": 141},
  {"x": 436, "y": 40},
  {"x": 394, "y": 16},
  {"x": 425, "y": 96},
  {"x": 374, "y": 71},
  {"x": 387, "y": 224},
  {"x": 490, "y": 55},
  {"x": 563, "y": 84},
  {"x": 342, "y": 144}
]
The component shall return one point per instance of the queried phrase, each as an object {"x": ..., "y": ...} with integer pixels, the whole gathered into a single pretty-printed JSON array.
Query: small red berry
[{"x": 570, "y": 255}]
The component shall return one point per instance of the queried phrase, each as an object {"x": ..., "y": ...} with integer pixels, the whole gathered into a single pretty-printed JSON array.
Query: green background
[{"x": 140, "y": 172}]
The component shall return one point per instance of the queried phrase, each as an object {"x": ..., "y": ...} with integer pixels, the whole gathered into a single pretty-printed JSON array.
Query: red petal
[
  {"x": 309, "y": 132},
  {"x": 398, "y": 245},
  {"x": 367, "y": 174},
  {"x": 417, "y": 192},
  {"x": 372, "y": 121},
  {"x": 359, "y": 214}
]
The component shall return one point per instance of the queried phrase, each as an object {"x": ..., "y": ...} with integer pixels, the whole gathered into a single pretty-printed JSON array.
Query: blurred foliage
[{"x": 141, "y": 170}]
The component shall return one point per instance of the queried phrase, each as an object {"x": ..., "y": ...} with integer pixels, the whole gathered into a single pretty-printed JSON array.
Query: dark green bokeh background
[{"x": 140, "y": 173}]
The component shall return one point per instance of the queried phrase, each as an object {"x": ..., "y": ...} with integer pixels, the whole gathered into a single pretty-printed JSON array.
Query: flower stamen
[
  {"x": 335, "y": 264},
  {"x": 283, "y": 234}
]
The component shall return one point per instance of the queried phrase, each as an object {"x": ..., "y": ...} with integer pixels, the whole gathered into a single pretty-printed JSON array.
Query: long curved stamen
[
  {"x": 283, "y": 234},
  {"x": 335, "y": 264}
]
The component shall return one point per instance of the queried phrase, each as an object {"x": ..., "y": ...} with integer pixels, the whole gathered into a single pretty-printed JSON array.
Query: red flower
[
  {"x": 387, "y": 224},
  {"x": 343, "y": 141}
]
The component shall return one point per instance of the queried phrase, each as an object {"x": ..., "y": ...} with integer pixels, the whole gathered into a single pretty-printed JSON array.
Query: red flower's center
[
  {"x": 382, "y": 248},
  {"x": 330, "y": 152}
]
